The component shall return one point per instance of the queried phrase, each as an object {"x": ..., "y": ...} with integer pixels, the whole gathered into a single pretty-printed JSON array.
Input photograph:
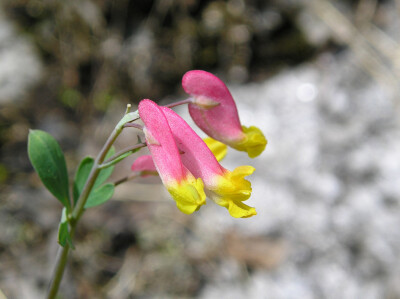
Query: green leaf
[
  {"x": 64, "y": 236},
  {"x": 48, "y": 160},
  {"x": 82, "y": 175},
  {"x": 105, "y": 173},
  {"x": 100, "y": 195}
]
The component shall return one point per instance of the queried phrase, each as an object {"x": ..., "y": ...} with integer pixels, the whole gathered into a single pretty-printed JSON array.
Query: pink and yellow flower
[
  {"x": 226, "y": 188},
  {"x": 186, "y": 165},
  {"x": 186, "y": 190},
  {"x": 214, "y": 111}
]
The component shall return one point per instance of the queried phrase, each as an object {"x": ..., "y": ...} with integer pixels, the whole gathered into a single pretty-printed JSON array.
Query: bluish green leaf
[
  {"x": 100, "y": 195},
  {"x": 48, "y": 160},
  {"x": 105, "y": 173},
  {"x": 82, "y": 175},
  {"x": 64, "y": 236}
]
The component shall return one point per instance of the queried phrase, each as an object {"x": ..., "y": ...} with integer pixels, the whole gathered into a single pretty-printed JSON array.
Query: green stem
[
  {"x": 127, "y": 178},
  {"x": 117, "y": 157},
  {"x": 62, "y": 257},
  {"x": 77, "y": 213}
]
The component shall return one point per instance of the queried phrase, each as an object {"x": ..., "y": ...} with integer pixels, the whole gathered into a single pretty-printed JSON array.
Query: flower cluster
[{"x": 189, "y": 166}]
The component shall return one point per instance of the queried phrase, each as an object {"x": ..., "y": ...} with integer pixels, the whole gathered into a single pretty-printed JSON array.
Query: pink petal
[{"x": 160, "y": 142}]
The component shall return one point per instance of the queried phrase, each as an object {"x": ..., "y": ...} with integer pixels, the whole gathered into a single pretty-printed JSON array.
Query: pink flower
[
  {"x": 185, "y": 189},
  {"x": 214, "y": 111}
]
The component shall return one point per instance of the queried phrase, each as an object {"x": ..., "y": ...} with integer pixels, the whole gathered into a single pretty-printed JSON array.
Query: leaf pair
[{"x": 48, "y": 161}]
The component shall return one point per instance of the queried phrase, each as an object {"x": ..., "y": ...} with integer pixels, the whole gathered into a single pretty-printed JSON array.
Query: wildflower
[
  {"x": 226, "y": 188},
  {"x": 185, "y": 189},
  {"x": 214, "y": 111}
]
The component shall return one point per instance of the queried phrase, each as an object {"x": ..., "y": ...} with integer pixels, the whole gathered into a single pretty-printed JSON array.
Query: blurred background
[{"x": 320, "y": 78}]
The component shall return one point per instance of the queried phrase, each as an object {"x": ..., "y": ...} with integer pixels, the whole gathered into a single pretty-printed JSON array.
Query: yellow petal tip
[
  {"x": 189, "y": 195},
  {"x": 254, "y": 142}
]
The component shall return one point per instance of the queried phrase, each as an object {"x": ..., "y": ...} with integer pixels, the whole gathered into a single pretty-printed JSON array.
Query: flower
[
  {"x": 214, "y": 111},
  {"x": 186, "y": 190},
  {"x": 226, "y": 188}
]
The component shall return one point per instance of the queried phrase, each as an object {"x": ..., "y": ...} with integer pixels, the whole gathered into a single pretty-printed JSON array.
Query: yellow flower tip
[
  {"x": 254, "y": 142},
  {"x": 232, "y": 184},
  {"x": 218, "y": 148},
  {"x": 232, "y": 190},
  {"x": 188, "y": 194}
]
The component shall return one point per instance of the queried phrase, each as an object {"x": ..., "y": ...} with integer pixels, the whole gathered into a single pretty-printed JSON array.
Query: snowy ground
[{"x": 20, "y": 67}]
